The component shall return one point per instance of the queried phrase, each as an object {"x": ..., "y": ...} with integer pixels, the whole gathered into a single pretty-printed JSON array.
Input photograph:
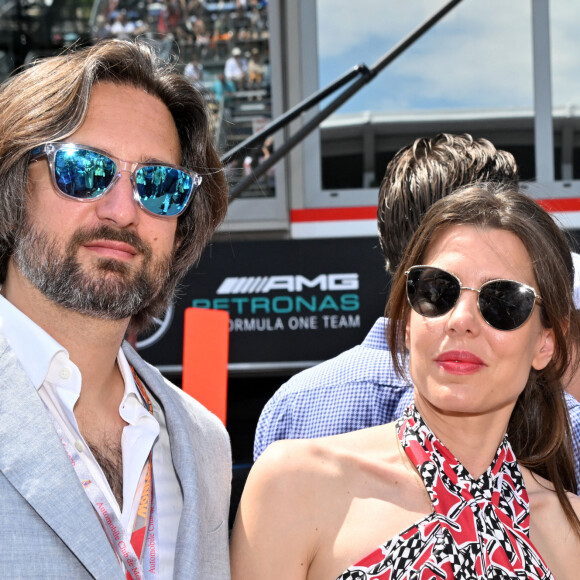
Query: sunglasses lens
[
  {"x": 506, "y": 305},
  {"x": 432, "y": 292},
  {"x": 164, "y": 190},
  {"x": 81, "y": 173}
]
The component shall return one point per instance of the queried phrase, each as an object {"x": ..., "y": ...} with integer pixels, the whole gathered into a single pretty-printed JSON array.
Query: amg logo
[{"x": 265, "y": 284}]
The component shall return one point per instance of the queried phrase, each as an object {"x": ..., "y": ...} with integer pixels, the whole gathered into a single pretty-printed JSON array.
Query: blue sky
[{"x": 479, "y": 56}]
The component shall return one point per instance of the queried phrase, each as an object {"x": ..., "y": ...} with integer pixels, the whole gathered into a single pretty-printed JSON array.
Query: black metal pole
[
  {"x": 308, "y": 127},
  {"x": 297, "y": 110}
]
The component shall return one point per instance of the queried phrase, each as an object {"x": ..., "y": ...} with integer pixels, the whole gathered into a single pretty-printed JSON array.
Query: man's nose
[{"x": 119, "y": 206}]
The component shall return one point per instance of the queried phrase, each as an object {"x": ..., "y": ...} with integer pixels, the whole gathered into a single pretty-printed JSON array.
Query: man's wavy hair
[
  {"x": 49, "y": 101},
  {"x": 424, "y": 172},
  {"x": 539, "y": 427}
]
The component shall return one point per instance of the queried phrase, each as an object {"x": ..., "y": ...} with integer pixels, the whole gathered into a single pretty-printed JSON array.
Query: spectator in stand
[
  {"x": 255, "y": 70},
  {"x": 175, "y": 13},
  {"x": 267, "y": 150},
  {"x": 359, "y": 388},
  {"x": 222, "y": 87},
  {"x": 202, "y": 37},
  {"x": 124, "y": 28},
  {"x": 239, "y": 23},
  {"x": 194, "y": 73},
  {"x": 102, "y": 28},
  {"x": 257, "y": 157},
  {"x": 195, "y": 8},
  {"x": 257, "y": 23},
  {"x": 220, "y": 26},
  {"x": 236, "y": 69}
]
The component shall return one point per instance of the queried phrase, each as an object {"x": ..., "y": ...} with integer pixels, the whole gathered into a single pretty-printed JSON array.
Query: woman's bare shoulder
[
  {"x": 542, "y": 493},
  {"x": 299, "y": 490},
  {"x": 327, "y": 456},
  {"x": 318, "y": 495},
  {"x": 550, "y": 530}
]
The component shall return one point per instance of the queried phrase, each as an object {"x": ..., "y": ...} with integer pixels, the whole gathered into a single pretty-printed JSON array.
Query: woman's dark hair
[
  {"x": 48, "y": 102},
  {"x": 539, "y": 428}
]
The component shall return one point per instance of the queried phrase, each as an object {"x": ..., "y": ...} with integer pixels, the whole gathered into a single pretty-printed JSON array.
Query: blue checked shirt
[{"x": 357, "y": 389}]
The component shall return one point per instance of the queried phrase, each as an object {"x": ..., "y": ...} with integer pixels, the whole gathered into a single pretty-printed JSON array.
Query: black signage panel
[{"x": 288, "y": 300}]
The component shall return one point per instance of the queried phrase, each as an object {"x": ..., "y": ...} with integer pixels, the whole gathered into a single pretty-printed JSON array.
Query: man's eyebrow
[
  {"x": 154, "y": 161},
  {"x": 143, "y": 160}
]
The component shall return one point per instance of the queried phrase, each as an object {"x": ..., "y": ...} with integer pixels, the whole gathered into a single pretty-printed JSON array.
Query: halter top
[{"x": 479, "y": 529}]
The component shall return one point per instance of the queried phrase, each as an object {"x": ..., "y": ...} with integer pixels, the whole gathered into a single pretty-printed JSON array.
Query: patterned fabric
[
  {"x": 355, "y": 390},
  {"x": 479, "y": 529}
]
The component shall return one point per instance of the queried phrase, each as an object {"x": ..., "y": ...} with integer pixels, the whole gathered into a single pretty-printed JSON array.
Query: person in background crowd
[
  {"x": 359, "y": 388},
  {"x": 194, "y": 72},
  {"x": 111, "y": 189},
  {"x": 476, "y": 480},
  {"x": 221, "y": 87},
  {"x": 124, "y": 28},
  {"x": 236, "y": 68},
  {"x": 255, "y": 70}
]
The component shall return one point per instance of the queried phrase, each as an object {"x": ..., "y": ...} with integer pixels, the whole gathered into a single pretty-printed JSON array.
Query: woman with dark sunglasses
[{"x": 476, "y": 480}]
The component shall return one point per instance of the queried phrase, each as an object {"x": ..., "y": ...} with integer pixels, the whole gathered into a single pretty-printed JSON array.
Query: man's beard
[{"x": 107, "y": 289}]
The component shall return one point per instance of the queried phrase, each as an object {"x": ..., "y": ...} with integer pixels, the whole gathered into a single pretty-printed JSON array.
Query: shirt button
[
  {"x": 65, "y": 373},
  {"x": 79, "y": 446}
]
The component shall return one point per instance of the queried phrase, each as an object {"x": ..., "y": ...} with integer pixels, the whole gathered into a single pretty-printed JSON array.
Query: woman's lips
[{"x": 460, "y": 362}]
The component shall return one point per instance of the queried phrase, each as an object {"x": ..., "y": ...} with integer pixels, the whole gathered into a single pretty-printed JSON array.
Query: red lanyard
[
  {"x": 144, "y": 511},
  {"x": 130, "y": 551}
]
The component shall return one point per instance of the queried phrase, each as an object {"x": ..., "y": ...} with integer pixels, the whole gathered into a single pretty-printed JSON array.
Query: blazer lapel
[{"x": 33, "y": 460}]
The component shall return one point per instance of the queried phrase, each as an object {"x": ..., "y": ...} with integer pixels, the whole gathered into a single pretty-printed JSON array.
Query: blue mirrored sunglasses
[{"x": 87, "y": 174}]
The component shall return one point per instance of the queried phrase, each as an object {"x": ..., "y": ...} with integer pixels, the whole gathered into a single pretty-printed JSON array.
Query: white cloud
[
  {"x": 565, "y": 19},
  {"x": 479, "y": 55},
  {"x": 346, "y": 25}
]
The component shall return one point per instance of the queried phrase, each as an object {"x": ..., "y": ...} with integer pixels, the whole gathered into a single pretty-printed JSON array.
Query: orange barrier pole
[{"x": 205, "y": 358}]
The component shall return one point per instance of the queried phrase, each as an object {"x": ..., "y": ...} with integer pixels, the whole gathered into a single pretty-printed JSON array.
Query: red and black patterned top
[{"x": 479, "y": 529}]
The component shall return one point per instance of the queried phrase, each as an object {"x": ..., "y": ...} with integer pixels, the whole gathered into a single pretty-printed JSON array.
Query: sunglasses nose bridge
[
  {"x": 117, "y": 177},
  {"x": 126, "y": 167},
  {"x": 129, "y": 167},
  {"x": 462, "y": 288},
  {"x": 468, "y": 288},
  {"x": 459, "y": 307}
]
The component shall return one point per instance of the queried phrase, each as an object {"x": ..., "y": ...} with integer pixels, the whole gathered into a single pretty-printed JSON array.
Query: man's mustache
[{"x": 83, "y": 236}]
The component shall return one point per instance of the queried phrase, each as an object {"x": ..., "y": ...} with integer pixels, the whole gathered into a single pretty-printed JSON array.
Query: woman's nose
[{"x": 465, "y": 316}]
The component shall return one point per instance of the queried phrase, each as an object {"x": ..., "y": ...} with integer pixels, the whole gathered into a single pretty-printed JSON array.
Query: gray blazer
[{"x": 48, "y": 528}]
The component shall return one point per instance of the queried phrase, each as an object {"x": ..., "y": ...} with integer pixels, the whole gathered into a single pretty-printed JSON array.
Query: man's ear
[{"x": 545, "y": 349}]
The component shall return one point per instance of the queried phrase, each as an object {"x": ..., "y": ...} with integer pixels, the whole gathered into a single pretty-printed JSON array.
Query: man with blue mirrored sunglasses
[
  {"x": 87, "y": 174},
  {"x": 111, "y": 188}
]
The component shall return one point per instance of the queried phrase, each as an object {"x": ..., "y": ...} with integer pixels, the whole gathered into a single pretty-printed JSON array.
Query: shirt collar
[
  {"x": 36, "y": 349},
  {"x": 131, "y": 390},
  {"x": 377, "y": 336},
  {"x": 32, "y": 345}
]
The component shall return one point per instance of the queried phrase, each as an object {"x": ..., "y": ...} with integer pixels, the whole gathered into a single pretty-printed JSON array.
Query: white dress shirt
[{"x": 58, "y": 382}]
